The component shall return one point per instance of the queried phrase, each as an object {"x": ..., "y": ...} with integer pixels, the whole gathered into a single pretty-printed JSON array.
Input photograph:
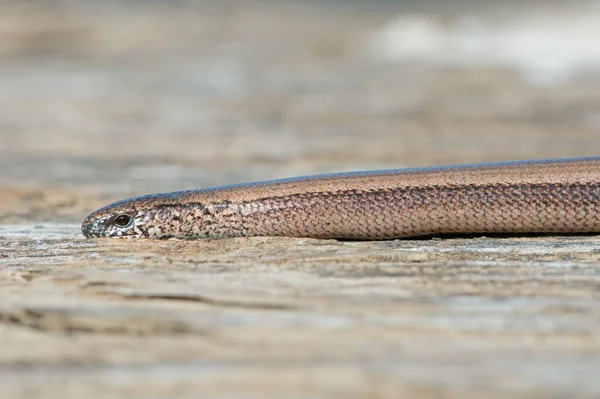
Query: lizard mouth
[{"x": 92, "y": 228}]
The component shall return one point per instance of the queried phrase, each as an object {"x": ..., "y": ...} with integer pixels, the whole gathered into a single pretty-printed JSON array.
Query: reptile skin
[{"x": 549, "y": 196}]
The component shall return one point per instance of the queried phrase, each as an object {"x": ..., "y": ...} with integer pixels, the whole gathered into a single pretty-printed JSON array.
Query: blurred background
[{"x": 100, "y": 100}]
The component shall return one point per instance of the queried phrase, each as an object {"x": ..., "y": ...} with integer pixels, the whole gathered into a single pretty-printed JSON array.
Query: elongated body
[{"x": 549, "y": 196}]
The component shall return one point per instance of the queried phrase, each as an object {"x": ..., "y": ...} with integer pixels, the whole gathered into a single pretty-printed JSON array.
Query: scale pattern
[{"x": 567, "y": 201}]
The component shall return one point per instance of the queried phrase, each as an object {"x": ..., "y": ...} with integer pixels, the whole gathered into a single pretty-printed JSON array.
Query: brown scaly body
[{"x": 550, "y": 196}]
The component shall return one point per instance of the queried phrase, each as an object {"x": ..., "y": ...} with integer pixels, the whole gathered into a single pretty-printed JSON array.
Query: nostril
[
  {"x": 84, "y": 230},
  {"x": 87, "y": 229}
]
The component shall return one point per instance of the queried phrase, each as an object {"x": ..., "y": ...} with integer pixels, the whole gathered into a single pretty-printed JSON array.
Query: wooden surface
[{"x": 102, "y": 102}]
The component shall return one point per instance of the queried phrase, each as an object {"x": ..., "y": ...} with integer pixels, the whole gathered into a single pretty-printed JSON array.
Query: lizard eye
[{"x": 123, "y": 220}]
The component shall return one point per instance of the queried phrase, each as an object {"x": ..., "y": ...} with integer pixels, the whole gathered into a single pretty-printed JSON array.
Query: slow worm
[{"x": 548, "y": 196}]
